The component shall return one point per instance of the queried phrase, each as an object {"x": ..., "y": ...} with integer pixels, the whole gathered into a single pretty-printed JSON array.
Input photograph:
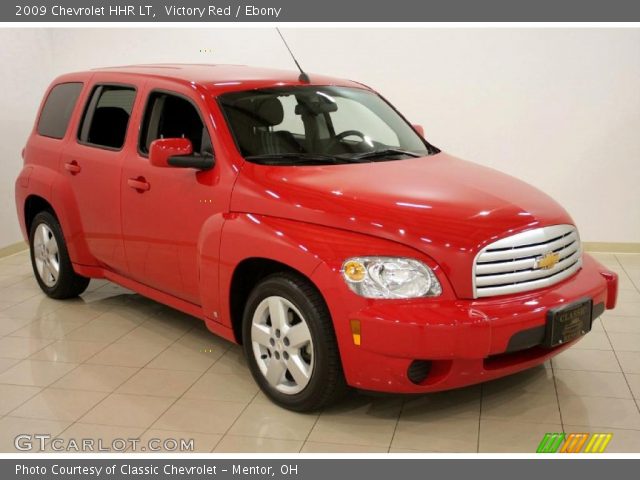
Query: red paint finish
[
  {"x": 162, "y": 149},
  {"x": 445, "y": 207},
  {"x": 464, "y": 334},
  {"x": 178, "y": 235}
]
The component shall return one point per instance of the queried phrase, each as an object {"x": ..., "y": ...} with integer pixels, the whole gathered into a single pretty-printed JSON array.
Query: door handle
[
  {"x": 72, "y": 167},
  {"x": 140, "y": 184}
]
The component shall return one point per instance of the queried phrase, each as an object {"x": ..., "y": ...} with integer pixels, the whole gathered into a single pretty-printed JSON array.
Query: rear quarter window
[{"x": 57, "y": 110}]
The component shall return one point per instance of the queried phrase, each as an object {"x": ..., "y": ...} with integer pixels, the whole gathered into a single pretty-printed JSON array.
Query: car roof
[{"x": 221, "y": 78}]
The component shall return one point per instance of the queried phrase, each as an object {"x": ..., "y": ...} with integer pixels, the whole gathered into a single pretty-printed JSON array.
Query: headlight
[{"x": 390, "y": 277}]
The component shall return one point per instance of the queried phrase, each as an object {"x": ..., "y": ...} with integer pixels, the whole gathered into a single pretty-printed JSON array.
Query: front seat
[{"x": 269, "y": 113}]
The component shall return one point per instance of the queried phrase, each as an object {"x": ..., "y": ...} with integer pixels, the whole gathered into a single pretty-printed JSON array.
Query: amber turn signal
[
  {"x": 354, "y": 271},
  {"x": 355, "y": 331}
]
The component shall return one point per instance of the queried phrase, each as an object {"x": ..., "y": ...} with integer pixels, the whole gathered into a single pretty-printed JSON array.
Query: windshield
[{"x": 317, "y": 125}]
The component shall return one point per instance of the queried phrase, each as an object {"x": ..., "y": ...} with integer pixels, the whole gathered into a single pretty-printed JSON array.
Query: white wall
[
  {"x": 559, "y": 108},
  {"x": 26, "y": 71}
]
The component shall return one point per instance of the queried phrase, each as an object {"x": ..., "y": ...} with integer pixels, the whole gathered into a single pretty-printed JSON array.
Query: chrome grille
[{"x": 512, "y": 264}]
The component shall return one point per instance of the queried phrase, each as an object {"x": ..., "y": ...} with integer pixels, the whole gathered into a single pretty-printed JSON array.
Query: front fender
[
  {"x": 317, "y": 252},
  {"x": 246, "y": 236}
]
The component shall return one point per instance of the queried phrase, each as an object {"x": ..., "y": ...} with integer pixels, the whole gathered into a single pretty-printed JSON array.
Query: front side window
[
  {"x": 172, "y": 116},
  {"x": 57, "y": 110},
  {"x": 106, "y": 117},
  {"x": 311, "y": 124}
]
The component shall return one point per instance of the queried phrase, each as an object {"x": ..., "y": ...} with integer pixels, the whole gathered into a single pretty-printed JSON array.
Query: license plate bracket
[{"x": 568, "y": 322}]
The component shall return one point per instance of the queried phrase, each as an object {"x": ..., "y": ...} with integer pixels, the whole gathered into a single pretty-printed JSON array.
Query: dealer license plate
[{"x": 568, "y": 322}]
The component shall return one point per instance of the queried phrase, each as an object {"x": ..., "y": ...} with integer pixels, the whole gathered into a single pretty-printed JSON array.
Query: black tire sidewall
[{"x": 283, "y": 286}]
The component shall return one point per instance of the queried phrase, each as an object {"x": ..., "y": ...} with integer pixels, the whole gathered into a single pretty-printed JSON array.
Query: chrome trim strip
[
  {"x": 526, "y": 275},
  {"x": 524, "y": 252},
  {"x": 530, "y": 237},
  {"x": 508, "y": 265},
  {"x": 525, "y": 287}
]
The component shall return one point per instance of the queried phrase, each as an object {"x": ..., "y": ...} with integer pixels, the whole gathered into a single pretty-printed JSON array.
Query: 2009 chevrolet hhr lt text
[{"x": 307, "y": 220}]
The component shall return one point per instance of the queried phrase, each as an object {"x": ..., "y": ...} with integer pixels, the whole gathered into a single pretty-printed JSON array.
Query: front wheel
[
  {"x": 290, "y": 343},
  {"x": 50, "y": 259}
]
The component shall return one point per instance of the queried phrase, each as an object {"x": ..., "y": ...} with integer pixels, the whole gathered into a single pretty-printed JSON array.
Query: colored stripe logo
[
  {"x": 550, "y": 443},
  {"x": 574, "y": 443},
  {"x": 598, "y": 442}
]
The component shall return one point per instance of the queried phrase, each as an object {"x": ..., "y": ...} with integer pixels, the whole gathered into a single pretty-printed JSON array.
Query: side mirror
[
  {"x": 177, "y": 153},
  {"x": 419, "y": 129}
]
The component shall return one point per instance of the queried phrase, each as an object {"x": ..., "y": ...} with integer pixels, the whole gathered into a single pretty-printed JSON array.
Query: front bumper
[{"x": 456, "y": 342}]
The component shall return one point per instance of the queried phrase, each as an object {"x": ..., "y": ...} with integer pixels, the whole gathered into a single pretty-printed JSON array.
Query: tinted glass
[
  {"x": 172, "y": 116},
  {"x": 57, "y": 110},
  {"x": 107, "y": 116},
  {"x": 303, "y": 123}
]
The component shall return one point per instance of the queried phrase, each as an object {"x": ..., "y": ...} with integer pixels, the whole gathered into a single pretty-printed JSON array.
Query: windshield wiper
[
  {"x": 385, "y": 153},
  {"x": 298, "y": 158}
]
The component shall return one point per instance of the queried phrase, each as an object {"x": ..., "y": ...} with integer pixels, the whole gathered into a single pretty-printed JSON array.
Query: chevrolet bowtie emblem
[{"x": 547, "y": 261}]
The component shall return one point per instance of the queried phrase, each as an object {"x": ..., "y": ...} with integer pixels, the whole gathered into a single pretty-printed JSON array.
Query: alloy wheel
[
  {"x": 282, "y": 345},
  {"x": 46, "y": 255}
]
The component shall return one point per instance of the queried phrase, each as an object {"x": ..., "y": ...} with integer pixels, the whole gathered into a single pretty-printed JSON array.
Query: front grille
[{"x": 512, "y": 264}]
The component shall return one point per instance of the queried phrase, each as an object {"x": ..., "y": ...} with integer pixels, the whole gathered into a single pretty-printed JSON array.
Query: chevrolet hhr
[{"x": 306, "y": 219}]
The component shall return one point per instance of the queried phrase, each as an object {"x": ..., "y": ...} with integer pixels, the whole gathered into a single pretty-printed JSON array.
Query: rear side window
[
  {"x": 106, "y": 116},
  {"x": 57, "y": 110}
]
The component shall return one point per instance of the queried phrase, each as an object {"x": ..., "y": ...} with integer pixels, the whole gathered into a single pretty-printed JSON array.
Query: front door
[{"x": 164, "y": 210}]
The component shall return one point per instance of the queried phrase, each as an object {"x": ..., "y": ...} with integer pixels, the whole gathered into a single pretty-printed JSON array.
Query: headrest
[{"x": 269, "y": 111}]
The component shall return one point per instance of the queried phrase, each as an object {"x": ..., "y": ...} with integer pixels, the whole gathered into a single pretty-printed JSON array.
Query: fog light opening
[{"x": 418, "y": 371}]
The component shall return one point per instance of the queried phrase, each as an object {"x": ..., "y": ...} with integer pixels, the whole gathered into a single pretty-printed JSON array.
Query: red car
[{"x": 307, "y": 219}]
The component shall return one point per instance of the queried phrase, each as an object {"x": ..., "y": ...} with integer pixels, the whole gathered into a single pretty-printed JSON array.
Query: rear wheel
[
  {"x": 50, "y": 259},
  {"x": 290, "y": 343}
]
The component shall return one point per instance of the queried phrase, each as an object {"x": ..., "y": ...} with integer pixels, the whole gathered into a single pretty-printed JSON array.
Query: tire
[
  {"x": 317, "y": 379},
  {"x": 50, "y": 259}
]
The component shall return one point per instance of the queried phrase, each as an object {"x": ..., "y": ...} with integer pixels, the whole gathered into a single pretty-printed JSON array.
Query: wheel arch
[
  {"x": 33, "y": 205},
  {"x": 253, "y": 246},
  {"x": 42, "y": 188},
  {"x": 246, "y": 275}
]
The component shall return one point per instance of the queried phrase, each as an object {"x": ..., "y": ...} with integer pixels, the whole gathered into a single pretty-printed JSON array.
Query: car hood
[{"x": 443, "y": 206}]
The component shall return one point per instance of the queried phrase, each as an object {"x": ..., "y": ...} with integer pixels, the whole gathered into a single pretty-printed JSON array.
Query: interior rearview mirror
[
  {"x": 419, "y": 129},
  {"x": 177, "y": 153},
  {"x": 315, "y": 108}
]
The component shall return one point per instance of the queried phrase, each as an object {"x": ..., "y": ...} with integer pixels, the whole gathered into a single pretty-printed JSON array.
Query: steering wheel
[{"x": 342, "y": 135}]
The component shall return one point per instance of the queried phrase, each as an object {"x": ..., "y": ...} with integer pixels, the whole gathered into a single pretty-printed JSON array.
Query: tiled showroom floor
[{"x": 116, "y": 365}]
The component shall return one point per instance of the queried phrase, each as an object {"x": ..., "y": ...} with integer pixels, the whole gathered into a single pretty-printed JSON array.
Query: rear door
[{"x": 93, "y": 162}]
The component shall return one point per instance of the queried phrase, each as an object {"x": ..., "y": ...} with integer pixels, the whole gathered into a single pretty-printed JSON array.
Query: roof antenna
[{"x": 304, "y": 78}]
